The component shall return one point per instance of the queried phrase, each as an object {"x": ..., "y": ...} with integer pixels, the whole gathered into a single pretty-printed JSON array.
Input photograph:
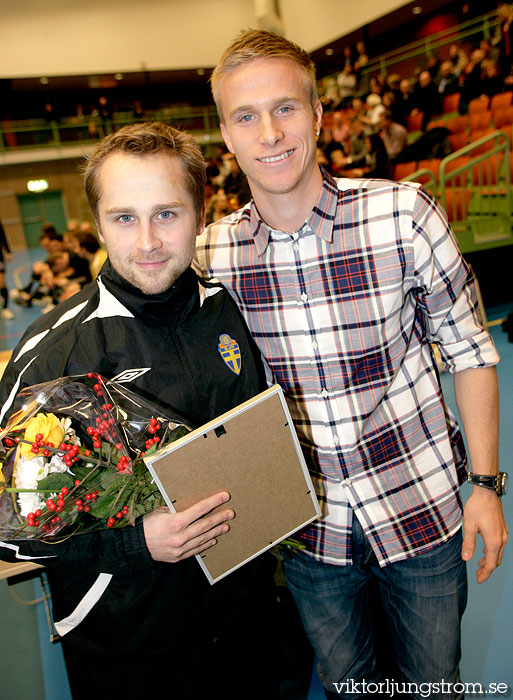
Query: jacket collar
[{"x": 172, "y": 305}]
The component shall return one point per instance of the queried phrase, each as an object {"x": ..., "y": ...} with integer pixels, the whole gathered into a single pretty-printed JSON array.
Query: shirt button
[
  {"x": 324, "y": 393},
  {"x": 315, "y": 345},
  {"x": 335, "y": 439},
  {"x": 304, "y": 296},
  {"x": 296, "y": 246}
]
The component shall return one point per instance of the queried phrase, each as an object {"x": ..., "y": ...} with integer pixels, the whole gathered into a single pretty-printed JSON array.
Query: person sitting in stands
[
  {"x": 447, "y": 82},
  {"x": 393, "y": 135},
  {"x": 52, "y": 242},
  {"x": 357, "y": 149},
  {"x": 426, "y": 98}
]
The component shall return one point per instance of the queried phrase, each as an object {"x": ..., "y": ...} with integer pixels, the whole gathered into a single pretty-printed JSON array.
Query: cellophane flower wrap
[{"x": 72, "y": 458}]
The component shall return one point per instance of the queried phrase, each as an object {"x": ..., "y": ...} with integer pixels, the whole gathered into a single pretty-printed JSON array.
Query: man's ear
[
  {"x": 226, "y": 138},
  {"x": 317, "y": 110},
  {"x": 201, "y": 224},
  {"x": 100, "y": 235}
]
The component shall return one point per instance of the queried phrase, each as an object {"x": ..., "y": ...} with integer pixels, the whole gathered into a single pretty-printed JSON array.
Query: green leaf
[{"x": 56, "y": 481}]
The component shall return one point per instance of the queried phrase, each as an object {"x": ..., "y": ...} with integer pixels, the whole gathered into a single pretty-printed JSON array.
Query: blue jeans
[{"x": 423, "y": 598}]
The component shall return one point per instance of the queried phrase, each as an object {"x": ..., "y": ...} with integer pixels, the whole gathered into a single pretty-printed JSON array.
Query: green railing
[
  {"x": 483, "y": 26},
  {"x": 39, "y": 133},
  {"x": 431, "y": 45},
  {"x": 474, "y": 188}
]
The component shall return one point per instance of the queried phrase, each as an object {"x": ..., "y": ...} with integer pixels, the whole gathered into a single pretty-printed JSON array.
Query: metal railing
[
  {"x": 39, "y": 133},
  {"x": 474, "y": 188}
]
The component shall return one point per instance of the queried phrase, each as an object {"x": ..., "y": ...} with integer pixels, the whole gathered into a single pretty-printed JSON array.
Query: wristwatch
[{"x": 497, "y": 483}]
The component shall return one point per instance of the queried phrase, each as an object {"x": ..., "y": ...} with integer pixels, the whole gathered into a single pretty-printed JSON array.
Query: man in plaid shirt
[{"x": 345, "y": 284}]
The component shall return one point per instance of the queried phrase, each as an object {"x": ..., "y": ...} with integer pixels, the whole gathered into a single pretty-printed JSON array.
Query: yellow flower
[{"x": 47, "y": 425}]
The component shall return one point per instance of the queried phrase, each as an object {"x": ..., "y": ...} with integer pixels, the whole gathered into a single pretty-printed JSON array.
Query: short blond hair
[
  {"x": 149, "y": 138},
  {"x": 253, "y": 44}
]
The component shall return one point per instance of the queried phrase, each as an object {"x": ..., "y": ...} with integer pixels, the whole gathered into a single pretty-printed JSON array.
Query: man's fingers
[
  {"x": 469, "y": 545},
  {"x": 201, "y": 508}
]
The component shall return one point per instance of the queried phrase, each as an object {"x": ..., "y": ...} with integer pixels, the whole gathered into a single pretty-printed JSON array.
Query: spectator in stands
[
  {"x": 347, "y": 85},
  {"x": 376, "y": 84},
  {"x": 328, "y": 144},
  {"x": 218, "y": 207},
  {"x": 391, "y": 105},
  {"x": 375, "y": 108},
  {"x": 51, "y": 242},
  {"x": 236, "y": 182},
  {"x": 355, "y": 157},
  {"x": 433, "y": 66},
  {"x": 105, "y": 114},
  {"x": 393, "y": 135},
  {"x": 426, "y": 98},
  {"x": 405, "y": 102},
  {"x": 348, "y": 57},
  {"x": 393, "y": 82},
  {"x": 458, "y": 59},
  {"x": 138, "y": 111},
  {"x": 358, "y": 107},
  {"x": 471, "y": 87},
  {"x": 341, "y": 129},
  {"x": 361, "y": 63},
  {"x": 376, "y": 160},
  {"x": 503, "y": 39},
  {"x": 81, "y": 273},
  {"x": 491, "y": 83},
  {"x": 446, "y": 81}
]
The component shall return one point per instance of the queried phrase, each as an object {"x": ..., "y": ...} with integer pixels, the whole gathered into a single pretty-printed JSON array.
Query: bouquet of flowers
[{"x": 71, "y": 458}]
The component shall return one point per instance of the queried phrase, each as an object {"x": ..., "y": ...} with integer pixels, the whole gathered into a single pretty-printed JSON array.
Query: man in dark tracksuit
[{"x": 151, "y": 623}]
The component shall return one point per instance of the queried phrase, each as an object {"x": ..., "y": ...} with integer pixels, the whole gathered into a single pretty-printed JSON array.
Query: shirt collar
[{"x": 320, "y": 220}]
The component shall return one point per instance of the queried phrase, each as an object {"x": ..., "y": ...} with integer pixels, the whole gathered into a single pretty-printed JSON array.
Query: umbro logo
[{"x": 130, "y": 375}]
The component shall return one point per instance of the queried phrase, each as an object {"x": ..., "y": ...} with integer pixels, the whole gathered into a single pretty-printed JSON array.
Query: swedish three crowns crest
[{"x": 230, "y": 352}]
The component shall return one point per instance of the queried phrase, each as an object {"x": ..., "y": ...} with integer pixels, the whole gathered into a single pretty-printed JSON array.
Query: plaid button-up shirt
[{"x": 344, "y": 311}]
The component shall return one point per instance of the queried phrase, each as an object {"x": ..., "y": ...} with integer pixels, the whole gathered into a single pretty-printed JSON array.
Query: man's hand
[
  {"x": 172, "y": 537},
  {"x": 483, "y": 514}
]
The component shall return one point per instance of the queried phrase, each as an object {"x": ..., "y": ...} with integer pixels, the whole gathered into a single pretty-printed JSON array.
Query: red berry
[
  {"x": 46, "y": 453},
  {"x": 38, "y": 513},
  {"x": 40, "y": 437},
  {"x": 77, "y": 482},
  {"x": 31, "y": 516},
  {"x": 87, "y": 509},
  {"x": 79, "y": 502},
  {"x": 64, "y": 490},
  {"x": 88, "y": 453},
  {"x": 153, "y": 421},
  {"x": 119, "y": 446},
  {"x": 119, "y": 516},
  {"x": 97, "y": 444},
  {"x": 152, "y": 429}
]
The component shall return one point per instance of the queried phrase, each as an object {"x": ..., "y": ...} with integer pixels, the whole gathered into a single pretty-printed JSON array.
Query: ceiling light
[{"x": 37, "y": 185}]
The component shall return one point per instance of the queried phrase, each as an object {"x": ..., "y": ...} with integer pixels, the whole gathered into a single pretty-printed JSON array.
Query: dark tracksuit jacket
[{"x": 155, "y": 627}]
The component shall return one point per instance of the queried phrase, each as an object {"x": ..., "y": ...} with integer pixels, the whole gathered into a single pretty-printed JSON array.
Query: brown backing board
[{"x": 256, "y": 457}]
